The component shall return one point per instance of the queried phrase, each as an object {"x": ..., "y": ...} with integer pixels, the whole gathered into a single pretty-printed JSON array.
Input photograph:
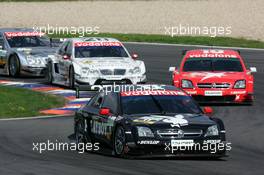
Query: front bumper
[
  {"x": 235, "y": 96},
  {"x": 163, "y": 148},
  {"x": 95, "y": 80}
]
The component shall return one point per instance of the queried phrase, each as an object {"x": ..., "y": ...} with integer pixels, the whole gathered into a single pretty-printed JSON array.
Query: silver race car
[
  {"x": 24, "y": 52},
  {"x": 94, "y": 61}
]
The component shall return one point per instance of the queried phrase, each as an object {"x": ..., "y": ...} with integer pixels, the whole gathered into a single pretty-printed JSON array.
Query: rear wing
[{"x": 80, "y": 88}]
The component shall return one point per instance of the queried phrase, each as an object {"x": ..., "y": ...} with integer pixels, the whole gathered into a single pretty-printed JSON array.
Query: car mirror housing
[
  {"x": 134, "y": 56},
  {"x": 104, "y": 111},
  {"x": 253, "y": 69},
  {"x": 208, "y": 110},
  {"x": 66, "y": 57},
  {"x": 172, "y": 69}
]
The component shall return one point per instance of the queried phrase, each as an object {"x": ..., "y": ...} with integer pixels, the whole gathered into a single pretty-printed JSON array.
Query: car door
[
  {"x": 63, "y": 59},
  {"x": 102, "y": 125}
]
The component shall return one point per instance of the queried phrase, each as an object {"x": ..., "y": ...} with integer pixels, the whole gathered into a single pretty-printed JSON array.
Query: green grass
[
  {"x": 19, "y": 102},
  {"x": 194, "y": 40}
]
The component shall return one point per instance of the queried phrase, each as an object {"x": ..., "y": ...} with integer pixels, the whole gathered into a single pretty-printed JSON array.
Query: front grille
[
  {"x": 228, "y": 98},
  {"x": 179, "y": 133},
  {"x": 119, "y": 71},
  {"x": 113, "y": 71},
  {"x": 213, "y": 85}
]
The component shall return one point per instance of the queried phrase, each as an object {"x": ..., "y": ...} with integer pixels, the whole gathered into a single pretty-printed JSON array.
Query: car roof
[
  {"x": 94, "y": 39},
  {"x": 200, "y": 53},
  {"x": 16, "y": 30}
]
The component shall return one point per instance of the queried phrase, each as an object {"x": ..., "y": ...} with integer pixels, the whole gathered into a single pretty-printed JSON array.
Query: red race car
[{"x": 215, "y": 76}]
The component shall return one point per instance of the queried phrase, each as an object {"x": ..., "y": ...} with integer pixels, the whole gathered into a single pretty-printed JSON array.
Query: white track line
[
  {"x": 190, "y": 45},
  {"x": 30, "y": 118}
]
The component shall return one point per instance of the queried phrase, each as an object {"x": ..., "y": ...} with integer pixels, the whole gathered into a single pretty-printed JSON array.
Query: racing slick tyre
[
  {"x": 14, "y": 66},
  {"x": 71, "y": 78},
  {"x": 119, "y": 142},
  {"x": 80, "y": 136},
  {"x": 49, "y": 75}
]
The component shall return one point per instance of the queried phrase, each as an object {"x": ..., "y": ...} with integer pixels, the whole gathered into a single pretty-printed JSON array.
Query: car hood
[
  {"x": 212, "y": 77},
  {"x": 174, "y": 120},
  {"x": 106, "y": 63},
  {"x": 37, "y": 51}
]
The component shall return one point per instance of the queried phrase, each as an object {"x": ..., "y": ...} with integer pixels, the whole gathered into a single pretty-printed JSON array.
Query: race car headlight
[
  {"x": 212, "y": 131},
  {"x": 187, "y": 84},
  {"x": 135, "y": 70},
  {"x": 240, "y": 84},
  {"x": 144, "y": 132},
  {"x": 33, "y": 60}
]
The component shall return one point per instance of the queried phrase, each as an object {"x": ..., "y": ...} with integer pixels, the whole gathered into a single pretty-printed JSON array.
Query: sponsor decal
[
  {"x": 191, "y": 92},
  {"x": 180, "y": 143},
  {"x": 238, "y": 92},
  {"x": 148, "y": 142},
  {"x": 211, "y": 141},
  {"x": 210, "y": 55},
  {"x": 155, "y": 92},
  {"x": 19, "y": 34},
  {"x": 213, "y": 93},
  {"x": 103, "y": 128},
  {"x": 177, "y": 120},
  {"x": 87, "y": 44},
  {"x": 213, "y": 54}
]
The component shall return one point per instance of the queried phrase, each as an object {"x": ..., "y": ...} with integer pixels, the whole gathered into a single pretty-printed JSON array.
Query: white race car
[{"x": 94, "y": 61}]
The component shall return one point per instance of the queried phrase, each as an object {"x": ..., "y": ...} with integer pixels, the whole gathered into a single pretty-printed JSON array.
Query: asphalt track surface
[{"x": 244, "y": 126}]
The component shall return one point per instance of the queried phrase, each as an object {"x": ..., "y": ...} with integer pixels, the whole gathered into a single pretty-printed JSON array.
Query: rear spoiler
[{"x": 80, "y": 88}]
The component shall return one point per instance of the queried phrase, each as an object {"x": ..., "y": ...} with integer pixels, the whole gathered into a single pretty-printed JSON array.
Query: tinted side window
[
  {"x": 62, "y": 49},
  {"x": 110, "y": 102},
  {"x": 69, "y": 49},
  {"x": 97, "y": 103},
  {"x": 1, "y": 41}
]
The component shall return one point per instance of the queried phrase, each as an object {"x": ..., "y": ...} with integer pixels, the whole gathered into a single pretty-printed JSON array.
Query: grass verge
[
  {"x": 19, "y": 102},
  {"x": 193, "y": 40}
]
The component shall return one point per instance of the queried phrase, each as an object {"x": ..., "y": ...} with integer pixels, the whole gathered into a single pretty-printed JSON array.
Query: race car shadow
[{"x": 106, "y": 151}]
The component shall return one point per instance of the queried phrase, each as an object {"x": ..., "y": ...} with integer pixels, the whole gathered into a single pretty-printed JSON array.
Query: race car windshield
[
  {"x": 157, "y": 104},
  {"x": 28, "y": 41},
  {"x": 213, "y": 64},
  {"x": 100, "y": 51}
]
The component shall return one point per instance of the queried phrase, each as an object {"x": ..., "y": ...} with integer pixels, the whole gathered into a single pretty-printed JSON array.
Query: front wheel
[
  {"x": 14, "y": 66},
  {"x": 49, "y": 74},
  {"x": 119, "y": 142},
  {"x": 71, "y": 78},
  {"x": 80, "y": 136}
]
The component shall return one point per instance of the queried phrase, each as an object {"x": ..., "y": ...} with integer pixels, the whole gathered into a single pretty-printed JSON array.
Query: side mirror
[
  {"x": 134, "y": 56},
  {"x": 3, "y": 53},
  {"x": 208, "y": 110},
  {"x": 66, "y": 57},
  {"x": 253, "y": 69},
  {"x": 104, "y": 111},
  {"x": 172, "y": 69}
]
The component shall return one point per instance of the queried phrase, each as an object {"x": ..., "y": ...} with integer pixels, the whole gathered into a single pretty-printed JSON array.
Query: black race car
[{"x": 160, "y": 121}]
